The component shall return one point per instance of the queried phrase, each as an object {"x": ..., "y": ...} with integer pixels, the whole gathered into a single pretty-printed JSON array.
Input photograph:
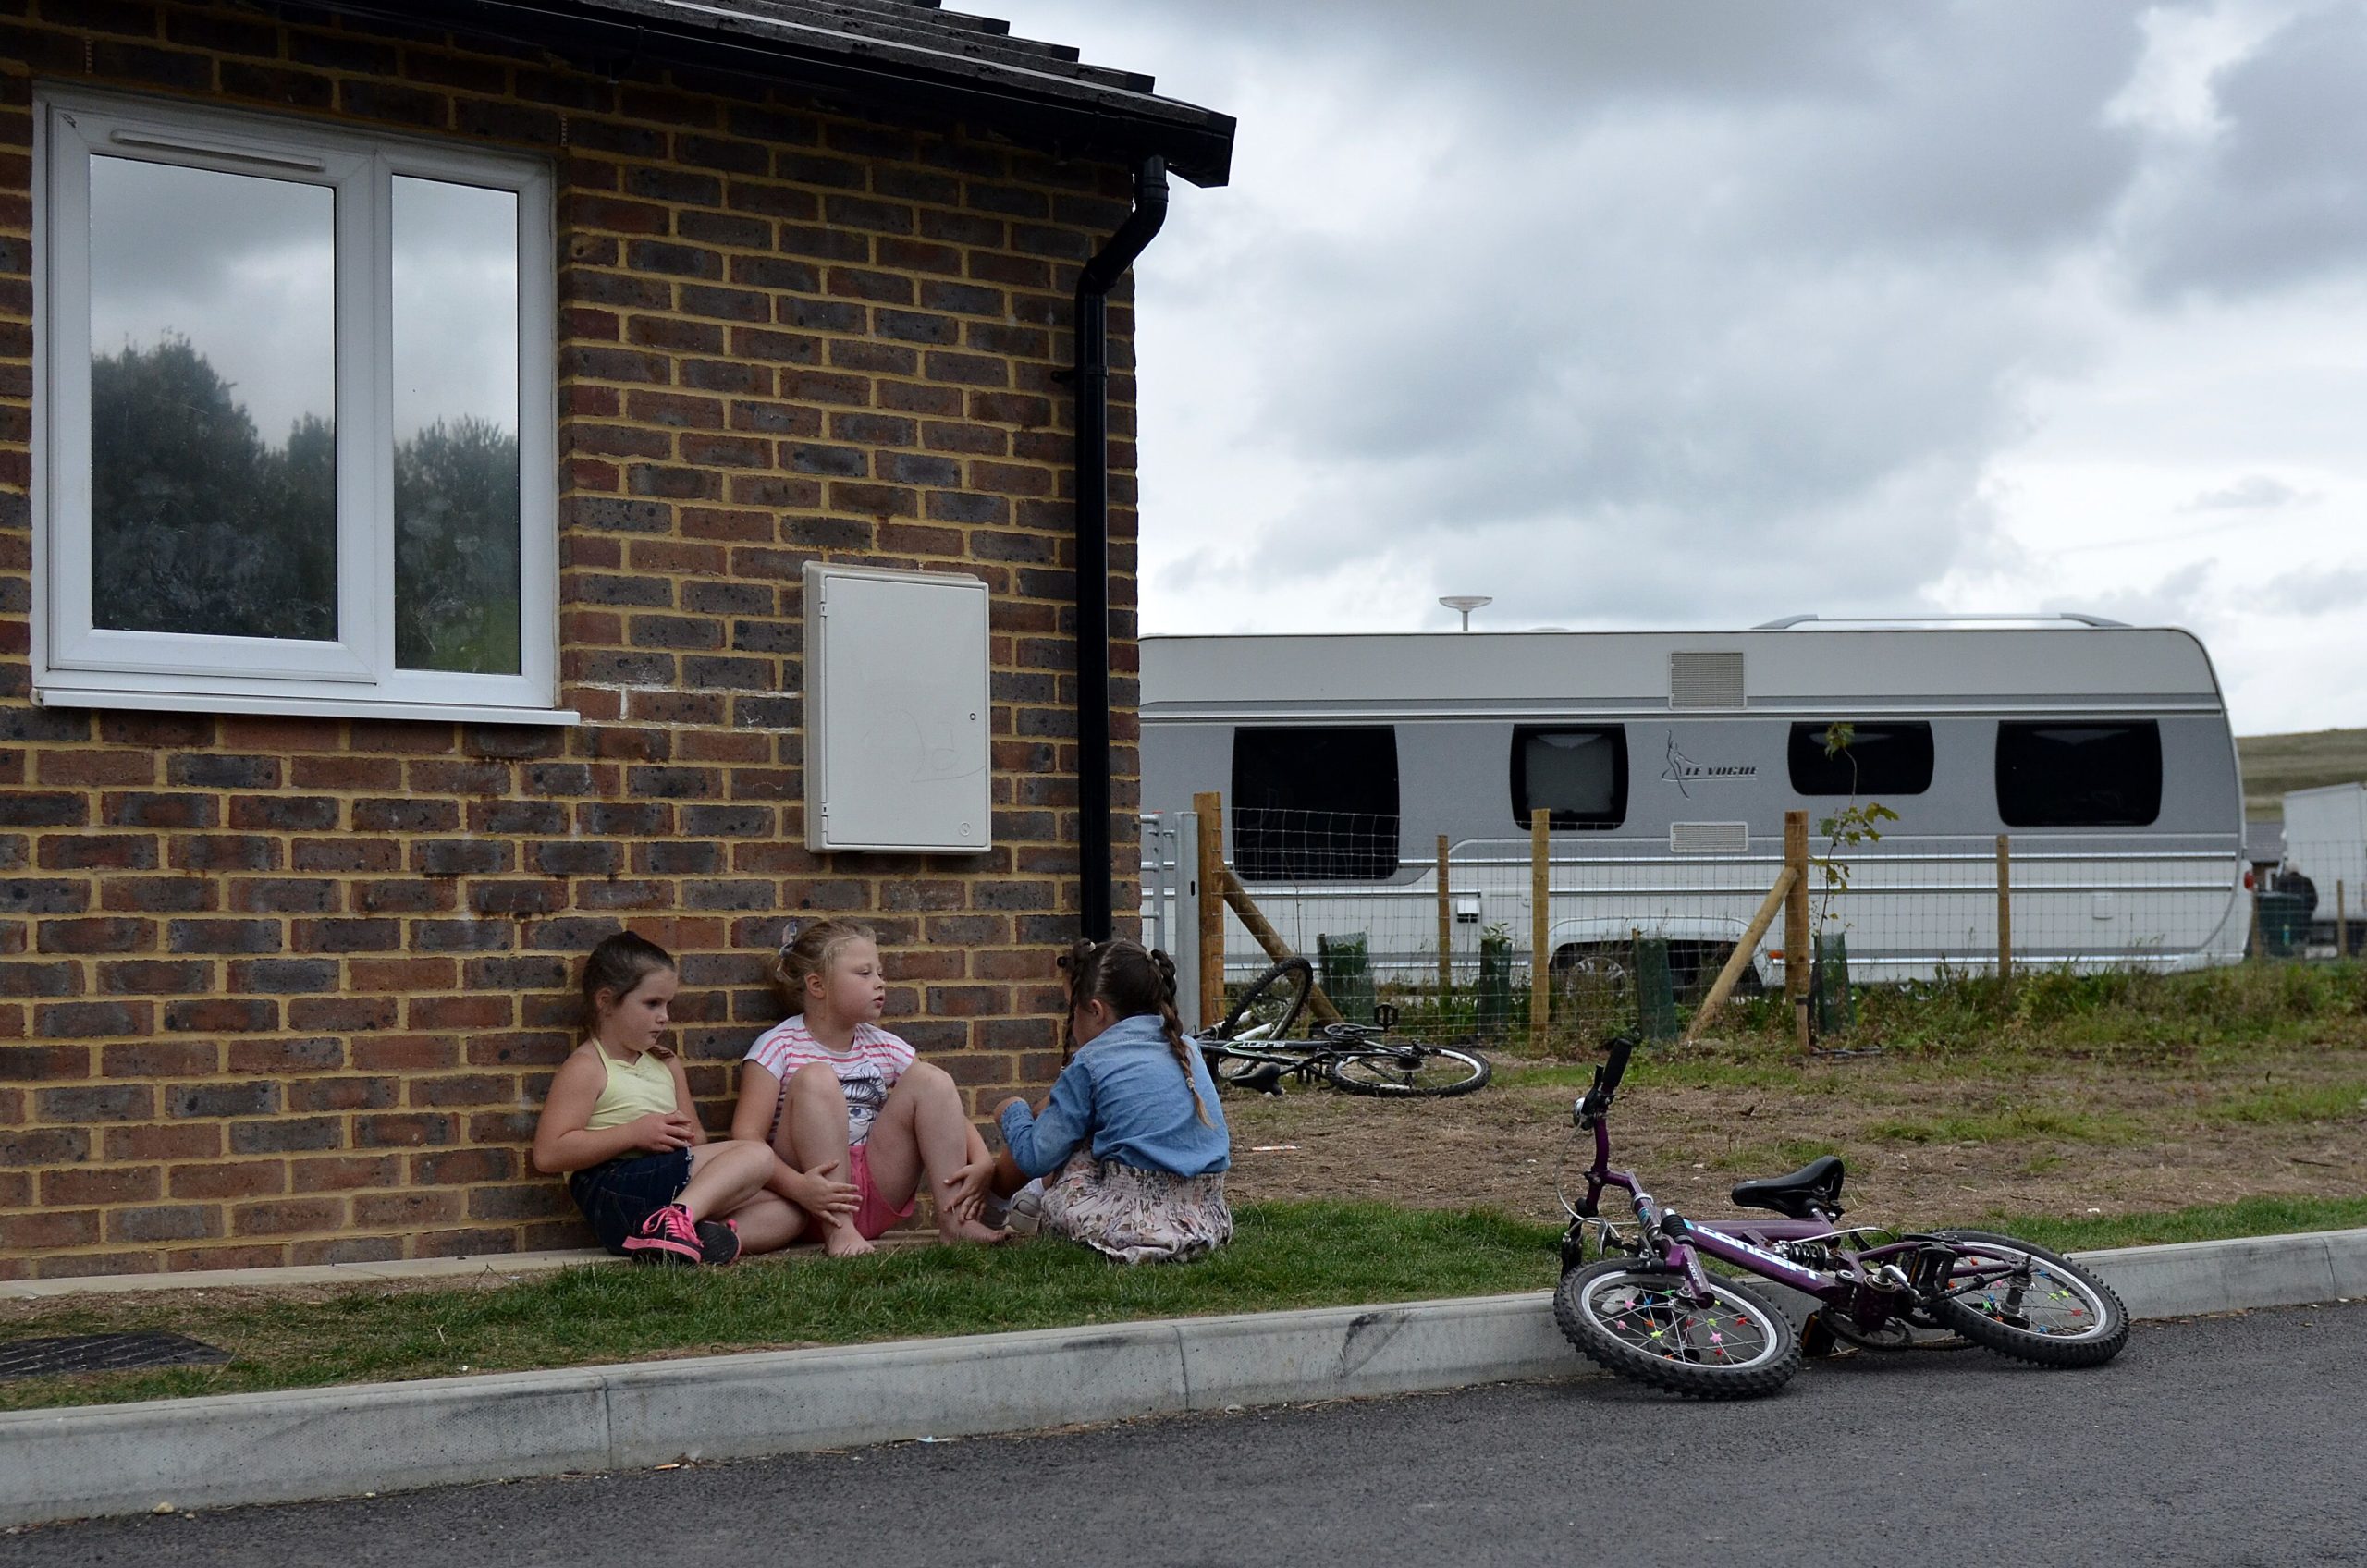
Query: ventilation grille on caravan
[
  {"x": 1709, "y": 838},
  {"x": 1705, "y": 680}
]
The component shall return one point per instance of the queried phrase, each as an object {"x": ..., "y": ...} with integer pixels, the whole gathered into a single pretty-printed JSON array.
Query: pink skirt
[{"x": 1137, "y": 1215}]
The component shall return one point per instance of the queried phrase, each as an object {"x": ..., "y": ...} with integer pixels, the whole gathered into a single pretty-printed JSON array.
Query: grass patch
[
  {"x": 2205, "y": 1222},
  {"x": 1289, "y": 1255},
  {"x": 2292, "y": 1102},
  {"x": 2008, "y": 1124},
  {"x": 2126, "y": 1014}
]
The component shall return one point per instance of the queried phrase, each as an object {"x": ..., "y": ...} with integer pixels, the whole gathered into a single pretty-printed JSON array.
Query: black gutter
[
  {"x": 1080, "y": 117},
  {"x": 1093, "y": 286}
]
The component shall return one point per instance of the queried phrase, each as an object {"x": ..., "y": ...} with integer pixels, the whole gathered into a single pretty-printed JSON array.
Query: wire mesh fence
[
  {"x": 1489, "y": 940},
  {"x": 2308, "y": 904}
]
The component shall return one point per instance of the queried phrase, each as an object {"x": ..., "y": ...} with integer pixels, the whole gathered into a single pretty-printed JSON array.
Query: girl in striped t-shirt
[{"x": 829, "y": 1088}]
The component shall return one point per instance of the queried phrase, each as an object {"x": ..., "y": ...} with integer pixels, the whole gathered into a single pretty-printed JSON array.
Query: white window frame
[{"x": 77, "y": 664}]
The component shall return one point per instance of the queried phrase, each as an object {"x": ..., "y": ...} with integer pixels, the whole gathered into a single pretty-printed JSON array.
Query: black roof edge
[{"x": 1082, "y": 118}]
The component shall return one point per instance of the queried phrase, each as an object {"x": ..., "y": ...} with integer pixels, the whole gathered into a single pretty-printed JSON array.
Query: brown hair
[
  {"x": 1131, "y": 980},
  {"x": 807, "y": 951},
  {"x": 619, "y": 964}
]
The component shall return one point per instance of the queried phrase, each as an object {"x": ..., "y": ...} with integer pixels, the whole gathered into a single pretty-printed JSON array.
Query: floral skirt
[{"x": 1136, "y": 1215}]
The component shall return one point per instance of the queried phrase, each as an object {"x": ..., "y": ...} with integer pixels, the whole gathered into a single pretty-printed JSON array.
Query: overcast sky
[{"x": 1672, "y": 313}]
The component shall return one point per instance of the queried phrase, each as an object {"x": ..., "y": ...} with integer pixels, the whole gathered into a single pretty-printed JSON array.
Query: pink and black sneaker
[
  {"x": 718, "y": 1241},
  {"x": 668, "y": 1235}
]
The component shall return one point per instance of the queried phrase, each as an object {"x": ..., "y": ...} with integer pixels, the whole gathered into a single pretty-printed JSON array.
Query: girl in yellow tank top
[{"x": 618, "y": 1123}]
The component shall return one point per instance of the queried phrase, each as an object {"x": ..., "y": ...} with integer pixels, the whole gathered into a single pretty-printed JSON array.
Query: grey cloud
[
  {"x": 2280, "y": 195},
  {"x": 2253, "y": 492},
  {"x": 2317, "y": 593}
]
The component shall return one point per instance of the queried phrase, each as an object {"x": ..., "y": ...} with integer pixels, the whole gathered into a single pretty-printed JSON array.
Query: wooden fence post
[
  {"x": 2004, "y": 906},
  {"x": 1541, "y": 884},
  {"x": 1446, "y": 929},
  {"x": 1797, "y": 957},
  {"x": 1209, "y": 807}
]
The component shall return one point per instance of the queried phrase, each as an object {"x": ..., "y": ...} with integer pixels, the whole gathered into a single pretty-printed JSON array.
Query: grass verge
[
  {"x": 1294, "y": 1255},
  {"x": 1297, "y": 1255}
]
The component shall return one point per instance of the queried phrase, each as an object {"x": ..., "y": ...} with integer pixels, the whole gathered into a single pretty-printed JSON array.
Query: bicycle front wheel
[
  {"x": 1404, "y": 1070},
  {"x": 2026, "y": 1302},
  {"x": 1268, "y": 1009},
  {"x": 1642, "y": 1323}
]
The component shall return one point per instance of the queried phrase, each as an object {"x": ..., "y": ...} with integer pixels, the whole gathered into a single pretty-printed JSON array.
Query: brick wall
[{"x": 284, "y": 990}]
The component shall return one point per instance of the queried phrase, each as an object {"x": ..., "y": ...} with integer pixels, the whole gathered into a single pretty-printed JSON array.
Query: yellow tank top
[{"x": 633, "y": 1090}]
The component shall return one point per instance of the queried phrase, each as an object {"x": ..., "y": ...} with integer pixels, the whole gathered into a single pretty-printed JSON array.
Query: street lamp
[{"x": 1466, "y": 603}]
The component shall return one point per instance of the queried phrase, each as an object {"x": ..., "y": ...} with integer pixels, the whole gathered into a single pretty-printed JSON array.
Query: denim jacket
[{"x": 1125, "y": 1091}]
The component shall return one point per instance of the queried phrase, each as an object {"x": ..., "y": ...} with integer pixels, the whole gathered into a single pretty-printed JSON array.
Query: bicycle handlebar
[{"x": 1596, "y": 1101}]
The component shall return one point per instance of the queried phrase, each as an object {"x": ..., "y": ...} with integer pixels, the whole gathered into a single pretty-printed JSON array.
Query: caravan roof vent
[{"x": 1705, "y": 680}]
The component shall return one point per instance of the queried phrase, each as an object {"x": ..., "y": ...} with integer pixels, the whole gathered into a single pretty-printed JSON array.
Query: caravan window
[
  {"x": 1315, "y": 805},
  {"x": 1578, "y": 774},
  {"x": 2092, "y": 774},
  {"x": 1881, "y": 759}
]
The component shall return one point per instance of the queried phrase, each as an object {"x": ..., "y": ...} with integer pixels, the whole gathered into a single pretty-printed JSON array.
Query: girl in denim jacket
[{"x": 1131, "y": 1138}]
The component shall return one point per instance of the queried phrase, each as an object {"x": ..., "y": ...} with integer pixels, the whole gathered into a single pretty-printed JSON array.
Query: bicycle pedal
[{"x": 1267, "y": 1080}]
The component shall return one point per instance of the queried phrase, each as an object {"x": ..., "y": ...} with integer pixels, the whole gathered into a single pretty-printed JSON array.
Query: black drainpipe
[{"x": 1093, "y": 286}]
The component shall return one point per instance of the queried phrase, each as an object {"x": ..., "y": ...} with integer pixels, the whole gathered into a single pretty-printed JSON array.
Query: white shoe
[{"x": 1021, "y": 1213}]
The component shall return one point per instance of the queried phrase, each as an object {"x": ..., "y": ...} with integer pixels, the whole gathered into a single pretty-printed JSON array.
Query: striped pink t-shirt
[{"x": 867, "y": 1071}]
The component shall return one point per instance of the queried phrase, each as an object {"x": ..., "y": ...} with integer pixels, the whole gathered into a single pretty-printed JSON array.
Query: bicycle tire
[
  {"x": 2072, "y": 1295},
  {"x": 1463, "y": 1072},
  {"x": 1288, "y": 982},
  {"x": 1635, "y": 1321}
]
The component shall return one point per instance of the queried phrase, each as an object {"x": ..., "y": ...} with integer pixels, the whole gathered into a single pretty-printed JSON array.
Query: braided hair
[{"x": 1131, "y": 980}]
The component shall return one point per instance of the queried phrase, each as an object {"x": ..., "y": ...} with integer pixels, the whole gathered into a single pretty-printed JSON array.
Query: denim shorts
[{"x": 617, "y": 1196}]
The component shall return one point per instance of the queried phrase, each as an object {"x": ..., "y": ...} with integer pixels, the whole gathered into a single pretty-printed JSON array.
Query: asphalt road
[{"x": 2229, "y": 1440}]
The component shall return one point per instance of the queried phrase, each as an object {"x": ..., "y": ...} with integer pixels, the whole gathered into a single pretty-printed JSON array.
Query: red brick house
[{"x": 430, "y": 436}]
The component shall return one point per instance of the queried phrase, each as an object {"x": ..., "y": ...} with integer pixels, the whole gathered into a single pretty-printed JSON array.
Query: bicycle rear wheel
[
  {"x": 1402, "y": 1069},
  {"x": 1270, "y": 1007},
  {"x": 2048, "y": 1309}
]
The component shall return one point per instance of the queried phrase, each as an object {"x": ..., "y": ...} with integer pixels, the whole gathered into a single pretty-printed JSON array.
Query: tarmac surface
[{"x": 2235, "y": 1440}]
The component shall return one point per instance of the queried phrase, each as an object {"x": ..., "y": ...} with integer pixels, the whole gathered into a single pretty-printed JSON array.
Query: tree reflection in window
[
  {"x": 198, "y": 523},
  {"x": 456, "y": 549}
]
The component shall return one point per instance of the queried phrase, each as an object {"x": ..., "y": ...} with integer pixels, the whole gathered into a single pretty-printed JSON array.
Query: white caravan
[{"x": 1667, "y": 760}]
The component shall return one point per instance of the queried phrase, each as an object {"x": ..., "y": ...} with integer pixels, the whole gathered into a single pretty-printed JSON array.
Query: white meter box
[{"x": 897, "y": 712}]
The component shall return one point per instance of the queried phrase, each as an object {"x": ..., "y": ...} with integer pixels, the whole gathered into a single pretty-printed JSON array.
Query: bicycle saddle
[{"x": 1814, "y": 1186}]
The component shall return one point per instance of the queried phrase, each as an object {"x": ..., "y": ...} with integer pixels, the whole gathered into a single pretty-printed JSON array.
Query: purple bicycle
[{"x": 1642, "y": 1303}]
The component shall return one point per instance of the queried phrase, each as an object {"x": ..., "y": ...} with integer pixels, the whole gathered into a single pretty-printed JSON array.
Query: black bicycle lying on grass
[{"x": 1252, "y": 1048}]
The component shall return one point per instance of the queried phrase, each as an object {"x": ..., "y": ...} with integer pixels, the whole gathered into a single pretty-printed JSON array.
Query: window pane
[
  {"x": 2090, "y": 775},
  {"x": 1881, "y": 759},
  {"x": 1315, "y": 805},
  {"x": 213, "y": 402},
  {"x": 456, "y": 427},
  {"x": 1578, "y": 774}
]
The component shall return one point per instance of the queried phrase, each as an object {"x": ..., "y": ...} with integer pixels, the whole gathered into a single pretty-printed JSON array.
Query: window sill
[{"x": 298, "y": 707}]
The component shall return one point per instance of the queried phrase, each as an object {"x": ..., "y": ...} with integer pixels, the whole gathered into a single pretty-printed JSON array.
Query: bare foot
[
  {"x": 971, "y": 1231},
  {"x": 844, "y": 1241}
]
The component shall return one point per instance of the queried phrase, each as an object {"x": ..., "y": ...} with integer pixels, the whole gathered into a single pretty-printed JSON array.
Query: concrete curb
[{"x": 331, "y": 1442}]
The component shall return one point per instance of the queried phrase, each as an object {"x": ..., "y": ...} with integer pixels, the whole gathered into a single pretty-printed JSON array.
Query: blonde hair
[
  {"x": 809, "y": 950},
  {"x": 1131, "y": 980}
]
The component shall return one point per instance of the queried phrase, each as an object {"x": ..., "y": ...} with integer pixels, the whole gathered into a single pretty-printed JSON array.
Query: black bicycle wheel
[
  {"x": 1642, "y": 1323},
  {"x": 1270, "y": 1007},
  {"x": 2048, "y": 1309},
  {"x": 1402, "y": 1069}
]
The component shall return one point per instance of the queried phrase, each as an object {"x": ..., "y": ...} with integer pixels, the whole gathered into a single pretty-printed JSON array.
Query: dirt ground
[{"x": 2080, "y": 1139}]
